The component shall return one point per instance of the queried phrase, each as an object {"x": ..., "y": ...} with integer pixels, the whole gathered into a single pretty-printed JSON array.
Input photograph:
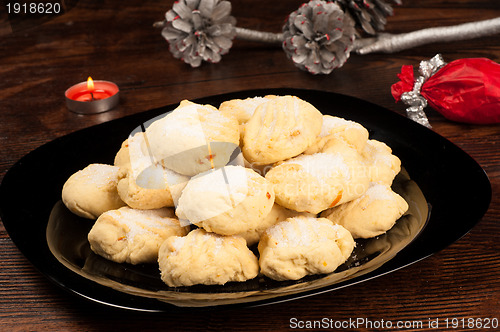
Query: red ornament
[{"x": 465, "y": 90}]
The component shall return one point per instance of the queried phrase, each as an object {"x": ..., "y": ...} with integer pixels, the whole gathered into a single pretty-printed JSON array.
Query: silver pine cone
[
  {"x": 199, "y": 30},
  {"x": 318, "y": 37},
  {"x": 369, "y": 15}
]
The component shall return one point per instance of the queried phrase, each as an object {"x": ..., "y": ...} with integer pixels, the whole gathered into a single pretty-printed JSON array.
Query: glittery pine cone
[
  {"x": 369, "y": 15},
  {"x": 318, "y": 37},
  {"x": 199, "y": 30}
]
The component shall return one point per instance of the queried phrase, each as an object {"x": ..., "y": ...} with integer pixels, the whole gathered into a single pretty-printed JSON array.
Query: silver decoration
[
  {"x": 199, "y": 30},
  {"x": 318, "y": 37},
  {"x": 259, "y": 36},
  {"x": 390, "y": 43},
  {"x": 369, "y": 15},
  {"x": 413, "y": 98},
  {"x": 203, "y": 30}
]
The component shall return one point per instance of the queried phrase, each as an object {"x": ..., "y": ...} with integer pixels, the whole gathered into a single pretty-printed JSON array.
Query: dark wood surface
[{"x": 114, "y": 40}]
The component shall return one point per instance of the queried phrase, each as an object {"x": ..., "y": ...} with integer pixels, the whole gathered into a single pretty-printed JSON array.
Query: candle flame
[{"x": 90, "y": 84}]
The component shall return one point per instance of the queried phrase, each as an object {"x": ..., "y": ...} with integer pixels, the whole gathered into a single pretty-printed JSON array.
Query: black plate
[{"x": 443, "y": 177}]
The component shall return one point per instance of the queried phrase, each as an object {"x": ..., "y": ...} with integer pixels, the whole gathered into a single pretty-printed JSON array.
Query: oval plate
[{"x": 443, "y": 177}]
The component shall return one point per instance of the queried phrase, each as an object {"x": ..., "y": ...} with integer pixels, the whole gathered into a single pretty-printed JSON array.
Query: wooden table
[{"x": 115, "y": 40}]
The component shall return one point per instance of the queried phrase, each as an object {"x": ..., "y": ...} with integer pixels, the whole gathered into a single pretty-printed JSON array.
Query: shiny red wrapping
[{"x": 465, "y": 90}]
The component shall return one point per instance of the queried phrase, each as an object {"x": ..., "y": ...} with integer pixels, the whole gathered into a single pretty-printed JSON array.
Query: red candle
[{"x": 92, "y": 96}]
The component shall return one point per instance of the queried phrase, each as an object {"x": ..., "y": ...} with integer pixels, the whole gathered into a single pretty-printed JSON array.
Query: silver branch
[
  {"x": 259, "y": 36},
  {"x": 390, "y": 43},
  {"x": 203, "y": 30}
]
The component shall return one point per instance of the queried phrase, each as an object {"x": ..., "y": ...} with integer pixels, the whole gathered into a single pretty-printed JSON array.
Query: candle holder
[{"x": 103, "y": 97}]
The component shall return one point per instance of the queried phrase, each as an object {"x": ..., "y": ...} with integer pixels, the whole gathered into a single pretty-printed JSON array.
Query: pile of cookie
[{"x": 202, "y": 186}]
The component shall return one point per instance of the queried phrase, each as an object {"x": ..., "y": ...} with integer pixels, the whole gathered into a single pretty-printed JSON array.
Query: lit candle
[{"x": 92, "y": 96}]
